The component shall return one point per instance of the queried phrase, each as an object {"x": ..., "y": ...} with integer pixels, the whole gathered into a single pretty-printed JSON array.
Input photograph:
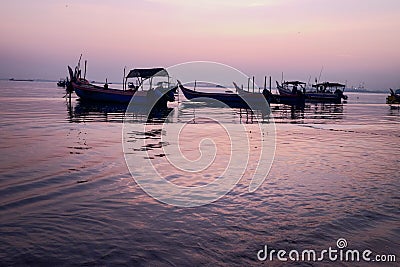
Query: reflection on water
[
  {"x": 80, "y": 111},
  {"x": 67, "y": 197},
  {"x": 86, "y": 111}
]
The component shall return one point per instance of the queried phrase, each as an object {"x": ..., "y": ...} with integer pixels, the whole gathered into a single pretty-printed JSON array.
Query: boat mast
[{"x": 320, "y": 73}]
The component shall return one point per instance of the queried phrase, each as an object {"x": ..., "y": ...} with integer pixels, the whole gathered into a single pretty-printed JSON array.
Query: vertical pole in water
[
  {"x": 270, "y": 84},
  {"x": 84, "y": 74},
  {"x": 265, "y": 82},
  {"x": 123, "y": 80},
  {"x": 253, "y": 84},
  {"x": 248, "y": 84},
  {"x": 195, "y": 83},
  {"x": 69, "y": 91}
]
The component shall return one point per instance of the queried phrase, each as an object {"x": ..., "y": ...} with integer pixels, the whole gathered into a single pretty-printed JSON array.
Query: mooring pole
[{"x": 270, "y": 84}]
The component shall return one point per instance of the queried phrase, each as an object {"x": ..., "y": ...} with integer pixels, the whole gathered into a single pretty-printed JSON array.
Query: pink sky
[{"x": 354, "y": 40}]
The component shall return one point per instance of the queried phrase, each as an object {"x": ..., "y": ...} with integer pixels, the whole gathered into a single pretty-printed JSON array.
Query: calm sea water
[{"x": 67, "y": 197}]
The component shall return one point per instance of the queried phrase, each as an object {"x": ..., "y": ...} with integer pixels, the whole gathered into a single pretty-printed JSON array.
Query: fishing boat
[
  {"x": 163, "y": 92},
  {"x": 327, "y": 92},
  {"x": 394, "y": 97},
  {"x": 324, "y": 92},
  {"x": 292, "y": 99},
  {"x": 291, "y": 87},
  {"x": 228, "y": 97}
]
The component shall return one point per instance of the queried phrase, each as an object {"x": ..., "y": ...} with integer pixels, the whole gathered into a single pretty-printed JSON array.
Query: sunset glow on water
[
  {"x": 68, "y": 197},
  {"x": 199, "y": 183}
]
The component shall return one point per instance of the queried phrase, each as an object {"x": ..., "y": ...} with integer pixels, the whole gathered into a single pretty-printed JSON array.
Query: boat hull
[
  {"x": 87, "y": 91},
  {"x": 287, "y": 99},
  {"x": 323, "y": 97},
  {"x": 94, "y": 93},
  {"x": 246, "y": 99},
  {"x": 315, "y": 97},
  {"x": 233, "y": 100}
]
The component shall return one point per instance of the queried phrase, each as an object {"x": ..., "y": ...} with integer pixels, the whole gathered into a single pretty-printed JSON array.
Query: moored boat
[
  {"x": 162, "y": 93},
  {"x": 292, "y": 99},
  {"x": 394, "y": 97},
  {"x": 61, "y": 83},
  {"x": 231, "y": 99},
  {"x": 324, "y": 92},
  {"x": 244, "y": 99},
  {"x": 327, "y": 92},
  {"x": 297, "y": 99}
]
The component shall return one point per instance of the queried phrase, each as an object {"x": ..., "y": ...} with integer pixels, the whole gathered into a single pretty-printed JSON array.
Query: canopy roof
[
  {"x": 328, "y": 84},
  {"x": 147, "y": 73},
  {"x": 294, "y": 82}
]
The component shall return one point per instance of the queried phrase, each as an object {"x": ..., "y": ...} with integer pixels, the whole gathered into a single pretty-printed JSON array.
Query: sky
[{"x": 351, "y": 41}]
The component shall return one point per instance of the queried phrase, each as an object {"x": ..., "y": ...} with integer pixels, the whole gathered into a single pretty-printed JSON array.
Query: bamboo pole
[
  {"x": 84, "y": 74},
  {"x": 270, "y": 84},
  {"x": 265, "y": 82},
  {"x": 123, "y": 80}
]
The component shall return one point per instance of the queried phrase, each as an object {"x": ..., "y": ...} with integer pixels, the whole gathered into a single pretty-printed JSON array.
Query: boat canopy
[
  {"x": 147, "y": 73},
  {"x": 328, "y": 84},
  {"x": 297, "y": 83}
]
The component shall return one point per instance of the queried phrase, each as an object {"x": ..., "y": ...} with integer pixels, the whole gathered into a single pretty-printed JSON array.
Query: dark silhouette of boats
[
  {"x": 242, "y": 98},
  {"x": 62, "y": 83},
  {"x": 324, "y": 92},
  {"x": 393, "y": 98},
  {"x": 229, "y": 98},
  {"x": 21, "y": 80},
  {"x": 292, "y": 99},
  {"x": 154, "y": 96}
]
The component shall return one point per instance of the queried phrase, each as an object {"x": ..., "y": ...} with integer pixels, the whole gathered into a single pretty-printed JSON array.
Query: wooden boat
[
  {"x": 327, "y": 92},
  {"x": 394, "y": 97},
  {"x": 88, "y": 91},
  {"x": 231, "y": 99},
  {"x": 245, "y": 99},
  {"x": 292, "y": 99},
  {"x": 323, "y": 93}
]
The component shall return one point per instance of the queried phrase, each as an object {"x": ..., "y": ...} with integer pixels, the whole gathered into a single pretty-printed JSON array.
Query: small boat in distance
[
  {"x": 62, "y": 83},
  {"x": 21, "y": 80},
  {"x": 394, "y": 97},
  {"x": 164, "y": 92}
]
